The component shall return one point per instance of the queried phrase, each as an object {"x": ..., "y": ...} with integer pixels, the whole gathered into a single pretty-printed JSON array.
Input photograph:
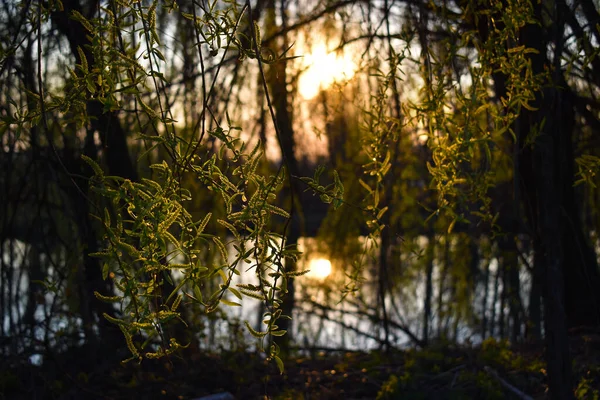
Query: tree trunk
[
  {"x": 534, "y": 333},
  {"x": 503, "y": 295},
  {"x": 441, "y": 280},
  {"x": 383, "y": 282},
  {"x": 511, "y": 284},
  {"x": 486, "y": 293},
  {"x": 495, "y": 301},
  {"x": 277, "y": 81},
  {"x": 429, "y": 259},
  {"x": 549, "y": 182},
  {"x": 581, "y": 275},
  {"x": 118, "y": 160}
]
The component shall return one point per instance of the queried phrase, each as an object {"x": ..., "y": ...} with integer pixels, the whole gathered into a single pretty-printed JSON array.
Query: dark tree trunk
[
  {"x": 90, "y": 272},
  {"x": 383, "y": 281},
  {"x": 441, "y": 280},
  {"x": 35, "y": 272},
  {"x": 429, "y": 259},
  {"x": 486, "y": 293},
  {"x": 580, "y": 268},
  {"x": 581, "y": 275},
  {"x": 503, "y": 295},
  {"x": 511, "y": 284},
  {"x": 118, "y": 160},
  {"x": 494, "y": 302},
  {"x": 277, "y": 80},
  {"x": 534, "y": 333},
  {"x": 549, "y": 180},
  {"x": 559, "y": 368}
]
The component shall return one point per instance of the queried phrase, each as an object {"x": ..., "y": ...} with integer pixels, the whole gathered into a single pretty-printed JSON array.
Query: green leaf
[
  {"x": 297, "y": 273},
  {"x": 198, "y": 293},
  {"x": 97, "y": 170},
  {"x": 235, "y": 292},
  {"x": 257, "y": 34},
  {"x": 82, "y": 57},
  {"x": 222, "y": 274},
  {"x": 481, "y": 109},
  {"x": 364, "y": 185},
  {"x": 166, "y": 223},
  {"x": 381, "y": 212},
  {"x": 204, "y": 223},
  {"x": 99, "y": 254},
  {"x": 129, "y": 249},
  {"x": 176, "y": 303},
  {"x": 91, "y": 87},
  {"x": 76, "y": 15},
  {"x": 451, "y": 226},
  {"x": 129, "y": 341},
  {"x": 253, "y": 332},
  {"x": 279, "y": 363},
  {"x": 221, "y": 247},
  {"x": 105, "y": 270},
  {"x": 254, "y": 295},
  {"x": 115, "y": 321},
  {"x": 277, "y": 210},
  {"x": 230, "y": 227},
  {"x": 107, "y": 299},
  {"x": 250, "y": 287},
  {"x": 230, "y": 303}
]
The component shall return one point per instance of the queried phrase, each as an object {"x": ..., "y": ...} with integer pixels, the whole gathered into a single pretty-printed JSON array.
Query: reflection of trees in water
[
  {"x": 468, "y": 317},
  {"x": 39, "y": 235},
  {"x": 480, "y": 91}
]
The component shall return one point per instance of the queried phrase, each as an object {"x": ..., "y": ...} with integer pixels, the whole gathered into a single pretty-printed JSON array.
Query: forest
[{"x": 299, "y": 199}]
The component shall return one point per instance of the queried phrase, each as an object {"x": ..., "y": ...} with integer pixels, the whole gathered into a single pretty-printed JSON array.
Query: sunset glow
[
  {"x": 320, "y": 268},
  {"x": 322, "y": 69}
]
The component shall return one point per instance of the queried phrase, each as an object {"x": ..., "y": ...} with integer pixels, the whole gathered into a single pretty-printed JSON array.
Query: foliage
[
  {"x": 153, "y": 245},
  {"x": 588, "y": 167},
  {"x": 462, "y": 121},
  {"x": 154, "y": 209},
  {"x": 448, "y": 374},
  {"x": 388, "y": 388},
  {"x": 498, "y": 353},
  {"x": 153, "y": 234},
  {"x": 584, "y": 390},
  {"x": 449, "y": 114}
]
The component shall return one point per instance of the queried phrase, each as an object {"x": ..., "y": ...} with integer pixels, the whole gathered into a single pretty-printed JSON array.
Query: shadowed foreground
[{"x": 490, "y": 371}]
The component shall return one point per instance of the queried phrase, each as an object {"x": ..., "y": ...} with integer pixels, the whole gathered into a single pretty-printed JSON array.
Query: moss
[
  {"x": 389, "y": 389},
  {"x": 585, "y": 390}
]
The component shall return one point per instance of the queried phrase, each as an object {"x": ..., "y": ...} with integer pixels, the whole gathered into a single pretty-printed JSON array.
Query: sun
[
  {"x": 320, "y": 268},
  {"x": 321, "y": 69}
]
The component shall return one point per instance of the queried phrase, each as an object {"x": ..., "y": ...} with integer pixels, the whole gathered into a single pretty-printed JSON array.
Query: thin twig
[{"x": 507, "y": 385}]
